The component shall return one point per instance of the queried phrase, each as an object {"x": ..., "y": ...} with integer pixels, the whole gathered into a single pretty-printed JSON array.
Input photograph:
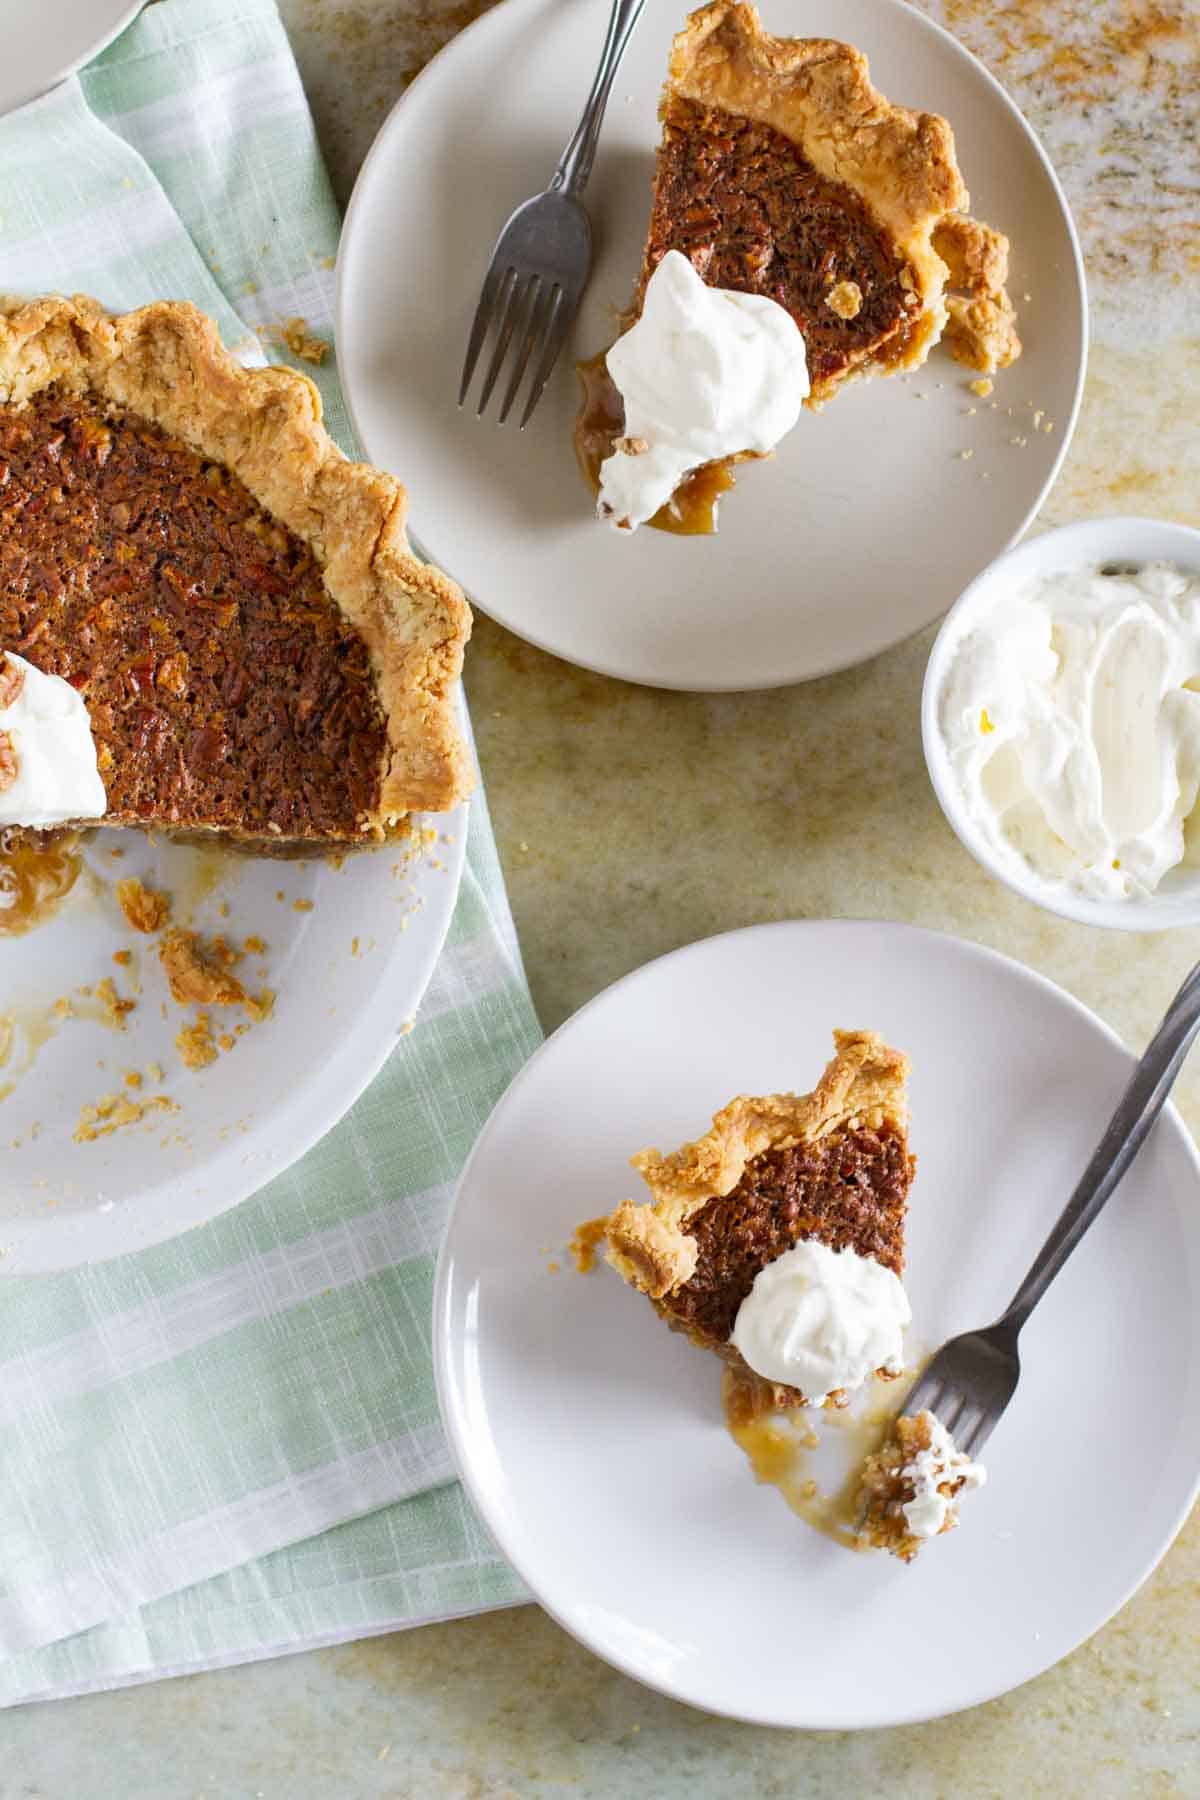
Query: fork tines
[{"x": 525, "y": 311}]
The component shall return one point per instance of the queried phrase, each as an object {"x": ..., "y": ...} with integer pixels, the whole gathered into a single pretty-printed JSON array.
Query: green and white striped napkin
[{"x": 229, "y": 1446}]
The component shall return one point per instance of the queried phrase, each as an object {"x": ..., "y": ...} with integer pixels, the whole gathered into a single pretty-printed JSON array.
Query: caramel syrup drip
[
  {"x": 692, "y": 509},
  {"x": 778, "y": 1448},
  {"x": 38, "y": 869}
]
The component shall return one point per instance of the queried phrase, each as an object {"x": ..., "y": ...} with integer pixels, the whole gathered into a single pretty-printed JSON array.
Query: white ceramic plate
[
  {"x": 590, "y": 1437},
  {"x": 46, "y": 41},
  {"x": 867, "y": 524},
  {"x": 348, "y": 970}
]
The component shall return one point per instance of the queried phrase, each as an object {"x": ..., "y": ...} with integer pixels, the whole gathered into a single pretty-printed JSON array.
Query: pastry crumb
[
  {"x": 294, "y": 335},
  {"x": 585, "y": 1243},
  {"x": 983, "y": 387},
  {"x": 145, "y": 910},
  {"x": 845, "y": 299},
  {"x": 965, "y": 455},
  {"x": 302, "y": 906},
  {"x": 199, "y": 974},
  {"x": 122, "y": 958},
  {"x": 114, "y": 1008},
  {"x": 631, "y": 446},
  {"x": 113, "y": 1111},
  {"x": 195, "y": 1044},
  {"x": 256, "y": 946}
]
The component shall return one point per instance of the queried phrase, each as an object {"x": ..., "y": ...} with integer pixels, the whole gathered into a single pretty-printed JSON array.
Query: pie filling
[
  {"x": 745, "y": 204},
  {"x": 225, "y": 688},
  {"x": 848, "y": 1190},
  {"x": 692, "y": 508}
]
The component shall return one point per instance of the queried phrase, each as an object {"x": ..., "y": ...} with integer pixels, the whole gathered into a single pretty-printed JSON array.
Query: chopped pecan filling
[
  {"x": 743, "y": 202},
  {"x": 848, "y": 1190},
  {"x": 225, "y": 688},
  {"x": 12, "y": 680}
]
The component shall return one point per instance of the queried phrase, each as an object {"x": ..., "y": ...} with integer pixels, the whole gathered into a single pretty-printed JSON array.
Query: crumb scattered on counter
[
  {"x": 294, "y": 335},
  {"x": 983, "y": 387},
  {"x": 145, "y": 910},
  {"x": 302, "y": 905},
  {"x": 133, "y": 1078},
  {"x": 256, "y": 946},
  {"x": 113, "y": 1111}
]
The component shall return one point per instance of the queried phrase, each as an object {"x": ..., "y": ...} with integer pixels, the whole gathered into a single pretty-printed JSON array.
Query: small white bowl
[{"x": 1064, "y": 550}]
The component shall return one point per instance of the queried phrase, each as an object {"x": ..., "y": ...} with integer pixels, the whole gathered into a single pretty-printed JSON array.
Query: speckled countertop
[{"x": 507, "y": 1705}]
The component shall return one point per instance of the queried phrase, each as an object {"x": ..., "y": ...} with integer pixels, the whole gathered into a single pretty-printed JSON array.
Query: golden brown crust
[
  {"x": 818, "y": 93},
  {"x": 649, "y": 1245},
  {"x": 981, "y": 327},
  {"x": 982, "y": 333},
  {"x": 976, "y": 257},
  {"x": 166, "y": 363}
]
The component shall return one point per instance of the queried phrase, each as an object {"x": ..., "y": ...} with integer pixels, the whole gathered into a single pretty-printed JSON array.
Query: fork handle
[
  {"x": 1137, "y": 1110},
  {"x": 576, "y": 163}
]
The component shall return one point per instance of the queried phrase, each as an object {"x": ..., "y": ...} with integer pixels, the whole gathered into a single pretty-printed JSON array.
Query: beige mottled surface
[{"x": 631, "y": 822}]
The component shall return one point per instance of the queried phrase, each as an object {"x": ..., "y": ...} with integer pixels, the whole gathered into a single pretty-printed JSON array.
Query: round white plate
[
  {"x": 49, "y": 40},
  {"x": 869, "y": 521},
  {"x": 348, "y": 968},
  {"x": 591, "y": 1439}
]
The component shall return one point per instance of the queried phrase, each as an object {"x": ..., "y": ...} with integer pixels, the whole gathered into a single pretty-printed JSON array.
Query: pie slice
[
  {"x": 782, "y": 171},
  {"x": 833, "y": 1166},
  {"x": 261, "y": 655}
]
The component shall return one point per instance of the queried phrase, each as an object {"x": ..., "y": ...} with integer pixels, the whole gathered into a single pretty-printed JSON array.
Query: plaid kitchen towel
[{"x": 229, "y": 1445}]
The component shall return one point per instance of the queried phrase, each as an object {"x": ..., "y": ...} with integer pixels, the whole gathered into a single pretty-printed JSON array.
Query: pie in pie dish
[
  {"x": 260, "y": 654},
  {"x": 783, "y": 172},
  {"x": 830, "y": 1168}
]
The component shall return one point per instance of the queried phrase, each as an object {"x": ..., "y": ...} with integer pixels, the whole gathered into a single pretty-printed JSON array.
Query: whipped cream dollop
[
  {"x": 1072, "y": 720},
  {"x": 705, "y": 372},
  {"x": 931, "y": 1469},
  {"x": 48, "y": 771},
  {"x": 821, "y": 1319}
]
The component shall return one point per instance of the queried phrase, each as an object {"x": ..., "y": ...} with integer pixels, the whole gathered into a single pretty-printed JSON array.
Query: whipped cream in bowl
[{"x": 1061, "y": 721}]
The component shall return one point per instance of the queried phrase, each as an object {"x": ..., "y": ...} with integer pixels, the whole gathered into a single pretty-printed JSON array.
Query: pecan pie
[
  {"x": 783, "y": 171},
  {"x": 833, "y": 1166},
  {"x": 260, "y": 653}
]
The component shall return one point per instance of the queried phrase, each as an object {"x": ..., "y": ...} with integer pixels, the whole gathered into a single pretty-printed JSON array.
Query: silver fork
[
  {"x": 973, "y": 1377},
  {"x": 543, "y": 256}
]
